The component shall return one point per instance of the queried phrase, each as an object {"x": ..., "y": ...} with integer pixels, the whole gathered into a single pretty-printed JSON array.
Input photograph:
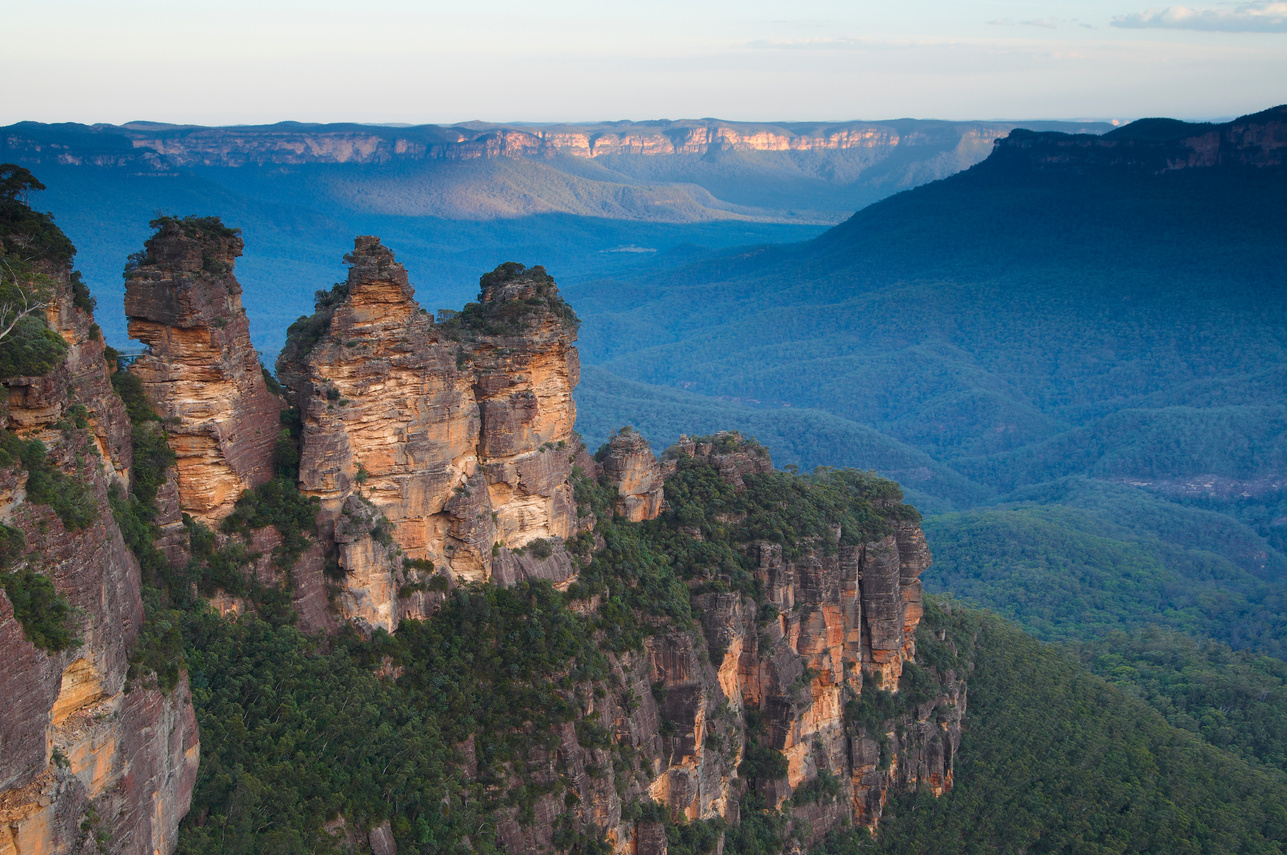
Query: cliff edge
[{"x": 88, "y": 756}]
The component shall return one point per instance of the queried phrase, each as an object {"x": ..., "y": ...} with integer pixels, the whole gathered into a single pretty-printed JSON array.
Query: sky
[{"x": 401, "y": 61}]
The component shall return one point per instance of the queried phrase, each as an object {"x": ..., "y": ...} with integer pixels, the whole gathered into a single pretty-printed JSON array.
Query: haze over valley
[{"x": 654, "y": 486}]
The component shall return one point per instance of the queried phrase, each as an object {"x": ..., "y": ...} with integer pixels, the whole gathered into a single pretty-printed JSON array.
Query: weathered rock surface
[
  {"x": 691, "y": 707},
  {"x": 201, "y": 372},
  {"x": 841, "y": 622},
  {"x": 435, "y": 447},
  {"x": 71, "y": 737},
  {"x": 731, "y": 456},
  {"x": 631, "y": 467}
]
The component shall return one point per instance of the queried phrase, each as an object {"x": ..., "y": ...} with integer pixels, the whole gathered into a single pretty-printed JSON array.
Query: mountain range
[
  {"x": 405, "y": 609},
  {"x": 587, "y": 200}
]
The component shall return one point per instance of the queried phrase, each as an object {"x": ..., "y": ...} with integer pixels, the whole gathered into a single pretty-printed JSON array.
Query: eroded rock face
[
  {"x": 699, "y": 712},
  {"x": 631, "y": 467},
  {"x": 71, "y": 738},
  {"x": 457, "y": 435},
  {"x": 727, "y": 451},
  {"x": 201, "y": 372},
  {"x": 839, "y": 622}
]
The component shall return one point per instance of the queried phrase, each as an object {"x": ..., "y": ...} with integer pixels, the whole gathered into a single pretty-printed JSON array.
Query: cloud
[
  {"x": 1261, "y": 17},
  {"x": 1043, "y": 23},
  {"x": 827, "y": 44}
]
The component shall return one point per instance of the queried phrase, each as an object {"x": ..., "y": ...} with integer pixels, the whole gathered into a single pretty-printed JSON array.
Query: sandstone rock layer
[
  {"x": 435, "y": 446},
  {"x": 80, "y": 757},
  {"x": 633, "y": 470},
  {"x": 200, "y": 371}
]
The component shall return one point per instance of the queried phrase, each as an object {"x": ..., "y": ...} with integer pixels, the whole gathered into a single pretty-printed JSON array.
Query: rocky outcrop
[
  {"x": 82, "y": 759},
  {"x": 838, "y": 623},
  {"x": 729, "y": 453},
  {"x": 200, "y": 371},
  {"x": 809, "y": 675},
  {"x": 436, "y": 446},
  {"x": 629, "y": 465}
]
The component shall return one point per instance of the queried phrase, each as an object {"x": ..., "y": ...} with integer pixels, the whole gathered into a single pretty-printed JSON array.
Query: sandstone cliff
[
  {"x": 84, "y": 760},
  {"x": 837, "y": 623},
  {"x": 631, "y": 467},
  {"x": 444, "y": 447},
  {"x": 804, "y": 701},
  {"x": 754, "y": 631},
  {"x": 200, "y": 371},
  {"x": 433, "y": 446}
]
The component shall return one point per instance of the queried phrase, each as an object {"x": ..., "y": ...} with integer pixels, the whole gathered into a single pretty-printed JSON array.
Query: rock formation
[
  {"x": 442, "y": 450},
  {"x": 700, "y": 711},
  {"x": 200, "y": 372},
  {"x": 841, "y": 622},
  {"x": 447, "y": 445},
  {"x": 435, "y": 446},
  {"x": 632, "y": 468},
  {"x": 80, "y": 757}
]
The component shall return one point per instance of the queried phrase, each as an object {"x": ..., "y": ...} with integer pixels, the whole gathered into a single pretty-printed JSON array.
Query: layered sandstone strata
[
  {"x": 841, "y": 622},
  {"x": 631, "y": 467},
  {"x": 436, "y": 446},
  {"x": 80, "y": 758},
  {"x": 691, "y": 707},
  {"x": 235, "y": 147},
  {"x": 200, "y": 371}
]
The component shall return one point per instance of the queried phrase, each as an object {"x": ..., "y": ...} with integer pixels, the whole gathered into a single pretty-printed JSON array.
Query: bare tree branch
[{"x": 21, "y": 305}]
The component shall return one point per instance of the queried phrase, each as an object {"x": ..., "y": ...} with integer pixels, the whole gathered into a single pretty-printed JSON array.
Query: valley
[{"x": 409, "y": 608}]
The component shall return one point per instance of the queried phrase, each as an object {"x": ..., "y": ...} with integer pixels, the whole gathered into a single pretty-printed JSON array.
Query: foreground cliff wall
[
  {"x": 837, "y": 621},
  {"x": 86, "y": 759}
]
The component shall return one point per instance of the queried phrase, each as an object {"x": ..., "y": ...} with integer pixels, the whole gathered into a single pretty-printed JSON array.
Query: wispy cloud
[
  {"x": 1262, "y": 17},
  {"x": 1043, "y": 23},
  {"x": 826, "y": 44}
]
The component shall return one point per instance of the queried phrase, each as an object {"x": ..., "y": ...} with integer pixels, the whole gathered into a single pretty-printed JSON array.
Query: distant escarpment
[
  {"x": 691, "y": 170},
  {"x": 95, "y": 753},
  {"x": 1154, "y": 146},
  {"x": 149, "y": 146}
]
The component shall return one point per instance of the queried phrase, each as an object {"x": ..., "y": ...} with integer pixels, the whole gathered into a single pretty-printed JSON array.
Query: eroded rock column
[{"x": 201, "y": 372}]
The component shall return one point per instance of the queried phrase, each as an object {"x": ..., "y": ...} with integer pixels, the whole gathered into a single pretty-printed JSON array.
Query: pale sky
[{"x": 255, "y": 61}]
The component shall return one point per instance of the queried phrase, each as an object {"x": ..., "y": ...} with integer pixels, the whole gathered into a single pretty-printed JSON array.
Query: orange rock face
[
  {"x": 71, "y": 738},
  {"x": 200, "y": 372},
  {"x": 633, "y": 469},
  {"x": 444, "y": 444},
  {"x": 842, "y": 623}
]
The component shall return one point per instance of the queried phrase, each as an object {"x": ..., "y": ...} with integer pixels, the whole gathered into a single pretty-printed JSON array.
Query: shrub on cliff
[
  {"x": 67, "y": 495},
  {"x": 44, "y": 613},
  {"x": 511, "y": 297},
  {"x": 205, "y": 229},
  {"x": 31, "y": 349},
  {"x": 277, "y": 503},
  {"x": 27, "y": 233}
]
